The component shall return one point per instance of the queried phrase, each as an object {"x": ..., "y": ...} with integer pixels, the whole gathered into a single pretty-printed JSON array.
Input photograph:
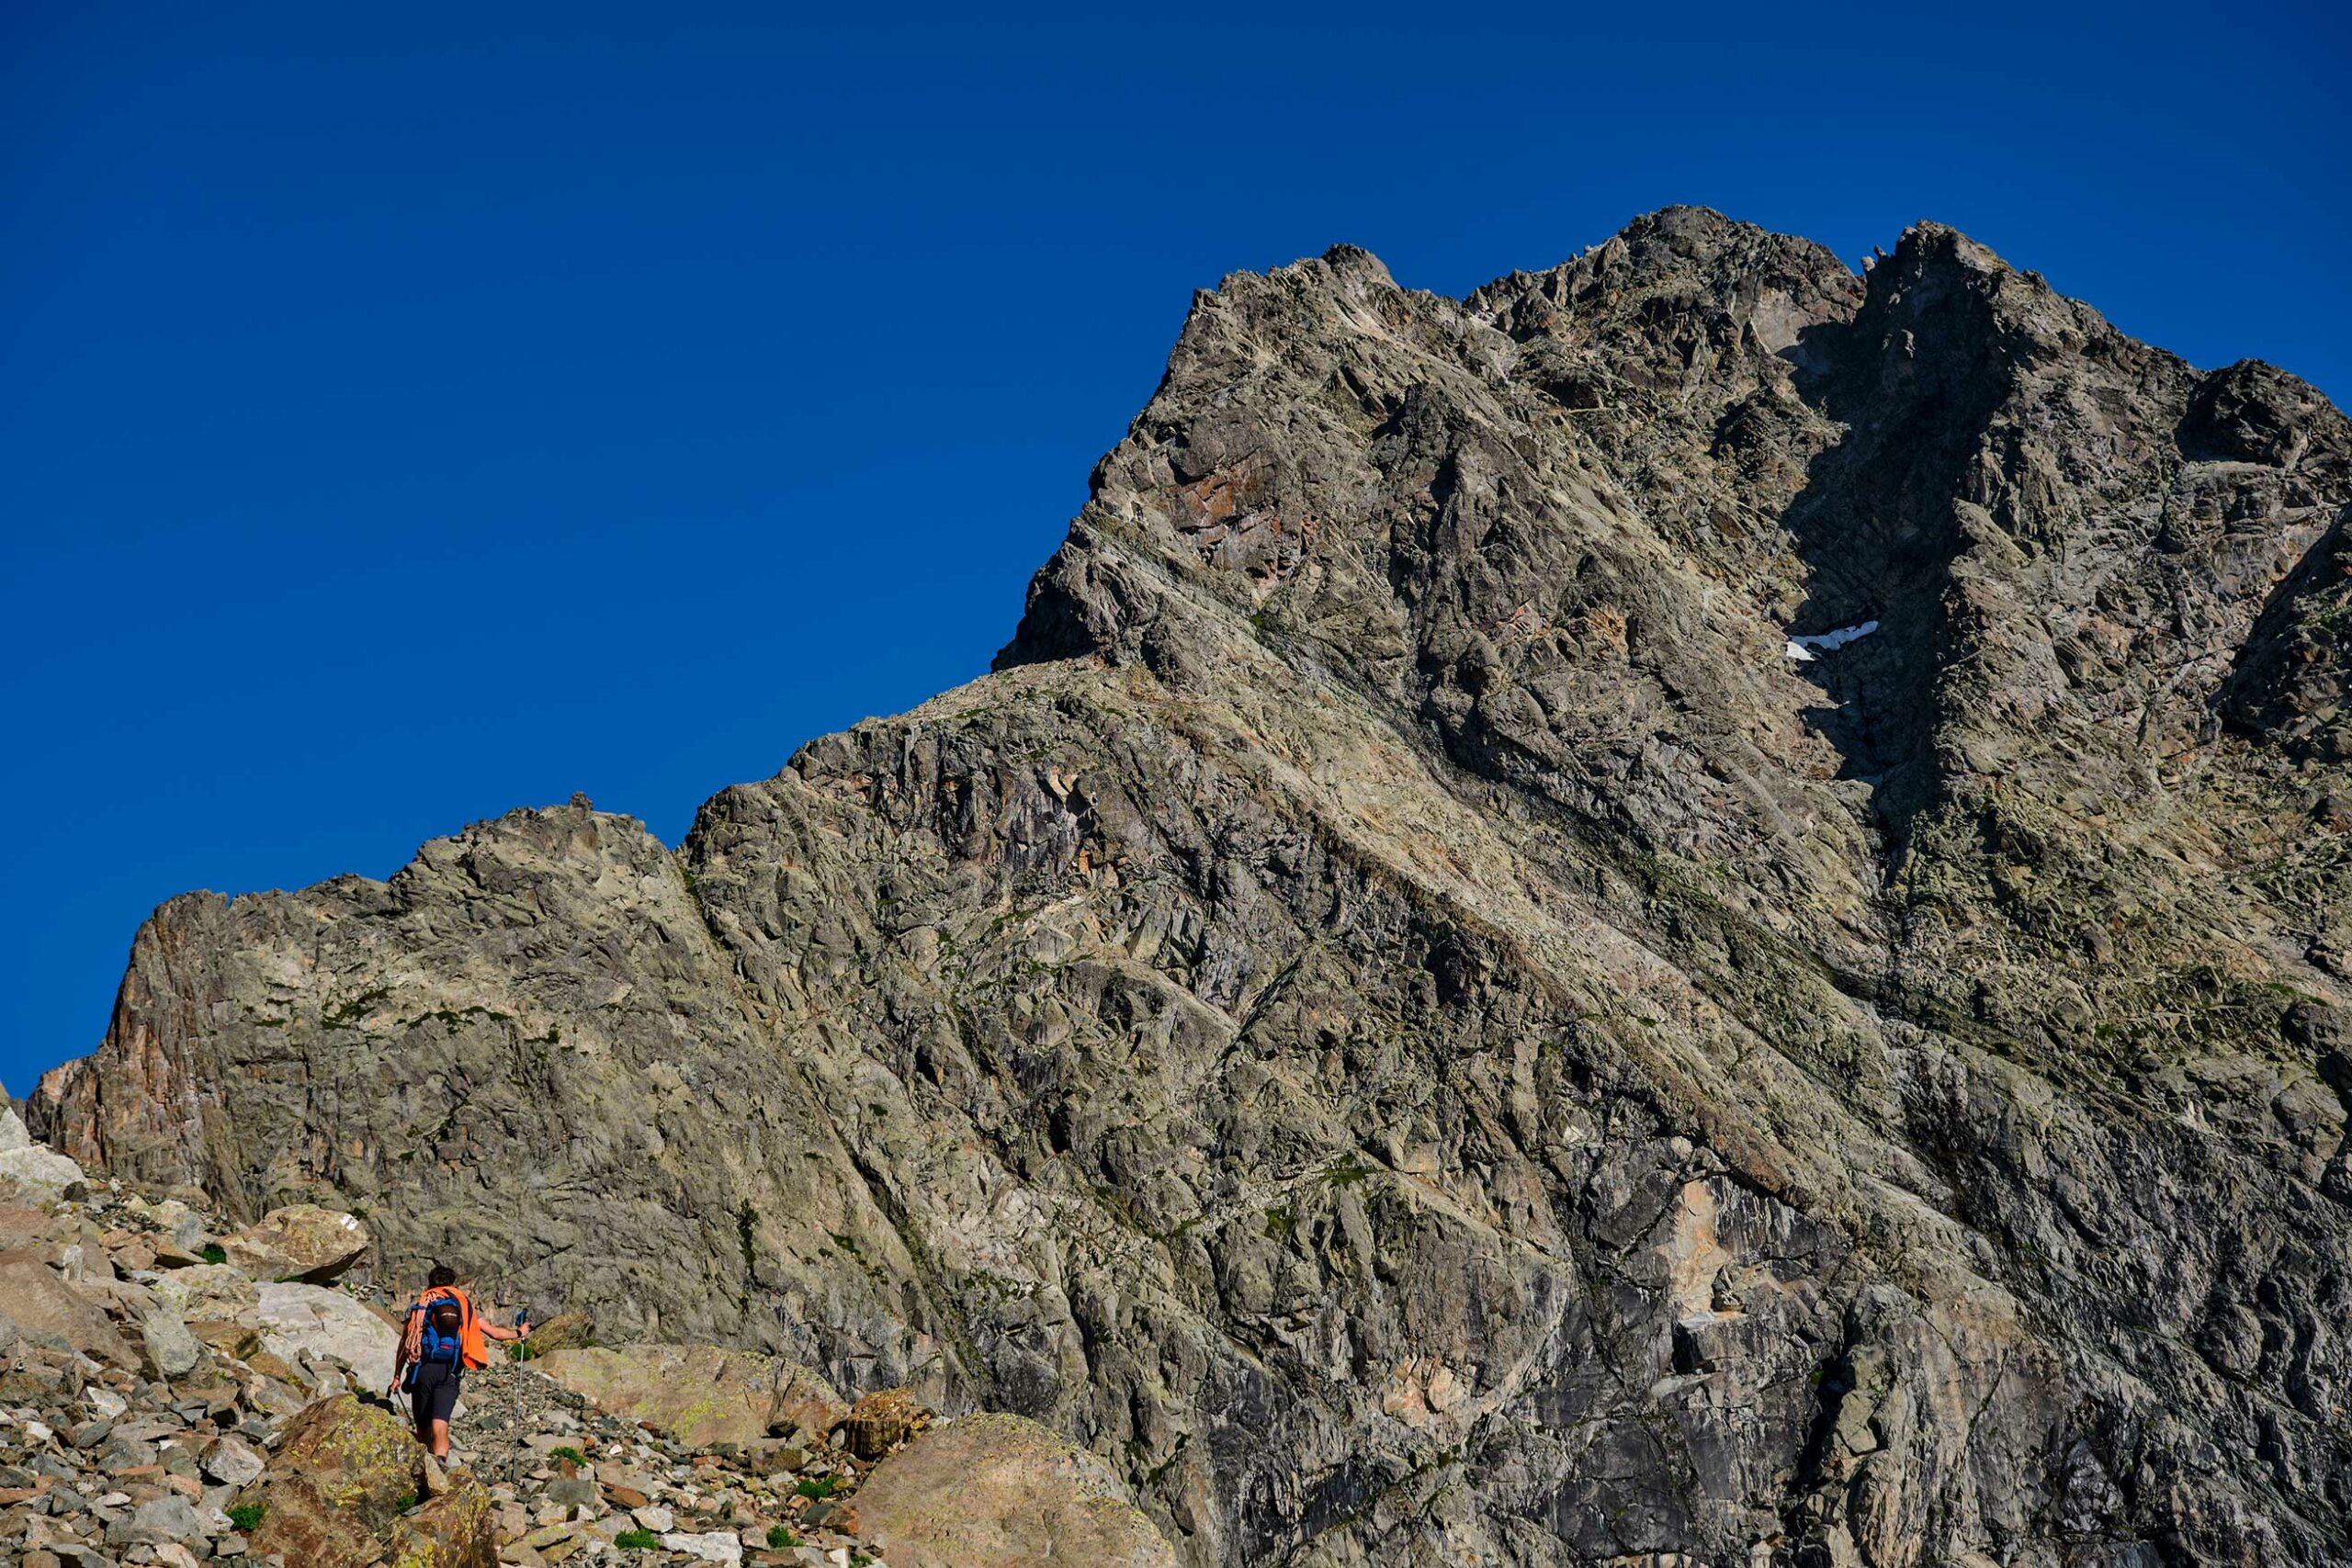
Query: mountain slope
[{"x": 1403, "y": 1014}]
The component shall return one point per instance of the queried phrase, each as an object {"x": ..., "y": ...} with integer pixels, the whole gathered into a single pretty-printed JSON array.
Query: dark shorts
[{"x": 435, "y": 1398}]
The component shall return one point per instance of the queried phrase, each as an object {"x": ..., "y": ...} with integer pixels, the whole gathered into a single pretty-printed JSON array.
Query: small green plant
[
  {"x": 408, "y": 1501},
  {"x": 567, "y": 1452},
  {"x": 638, "y": 1540},
  {"x": 246, "y": 1517},
  {"x": 214, "y": 1253},
  {"x": 817, "y": 1486},
  {"x": 781, "y": 1539}
]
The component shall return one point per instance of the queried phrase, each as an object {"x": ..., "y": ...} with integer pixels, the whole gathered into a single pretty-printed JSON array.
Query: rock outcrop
[
  {"x": 1693, "y": 908},
  {"x": 301, "y": 1242}
]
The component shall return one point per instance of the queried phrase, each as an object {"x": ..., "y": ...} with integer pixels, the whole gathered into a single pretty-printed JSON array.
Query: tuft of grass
[
  {"x": 817, "y": 1486},
  {"x": 568, "y": 1451},
  {"x": 215, "y": 1253},
  {"x": 246, "y": 1517},
  {"x": 408, "y": 1501},
  {"x": 781, "y": 1539},
  {"x": 638, "y": 1540}
]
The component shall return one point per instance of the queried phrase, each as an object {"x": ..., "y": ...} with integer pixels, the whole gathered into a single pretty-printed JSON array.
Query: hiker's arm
[{"x": 491, "y": 1331}]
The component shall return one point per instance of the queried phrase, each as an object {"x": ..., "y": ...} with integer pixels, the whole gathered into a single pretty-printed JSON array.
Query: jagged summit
[{"x": 1695, "y": 905}]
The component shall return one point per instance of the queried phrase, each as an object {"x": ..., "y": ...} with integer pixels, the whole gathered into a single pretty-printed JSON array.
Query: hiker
[{"x": 443, "y": 1337}]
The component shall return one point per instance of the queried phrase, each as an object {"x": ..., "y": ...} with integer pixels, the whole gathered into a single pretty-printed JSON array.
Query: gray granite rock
[{"x": 1448, "y": 1001}]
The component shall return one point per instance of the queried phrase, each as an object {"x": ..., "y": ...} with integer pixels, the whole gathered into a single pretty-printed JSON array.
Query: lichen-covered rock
[
  {"x": 344, "y": 1474},
  {"x": 1694, "y": 907},
  {"x": 700, "y": 1394},
  {"x": 300, "y": 1242},
  {"x": 1000, "y": 1492},
  {"x": 565, "y": 1331},
  {"x": 454, "y": 1530}
]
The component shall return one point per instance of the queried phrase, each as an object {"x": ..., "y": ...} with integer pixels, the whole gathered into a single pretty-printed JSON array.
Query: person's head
[{"x": 442, "y": 1275}]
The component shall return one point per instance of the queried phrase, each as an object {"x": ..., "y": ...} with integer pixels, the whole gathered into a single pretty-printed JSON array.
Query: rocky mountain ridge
[{"x": 1404, "y": 1019}]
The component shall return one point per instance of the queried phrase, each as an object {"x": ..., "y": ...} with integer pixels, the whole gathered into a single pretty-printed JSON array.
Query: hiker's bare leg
[{"x": 440, "y": 1444}]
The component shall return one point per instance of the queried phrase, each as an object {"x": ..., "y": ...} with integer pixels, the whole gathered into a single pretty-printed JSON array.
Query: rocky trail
[{"x": 175, "y": 1393}]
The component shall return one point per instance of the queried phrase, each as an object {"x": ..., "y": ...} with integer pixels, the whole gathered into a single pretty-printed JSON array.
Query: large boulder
[
  {"x": 565, "y": 1331},
  {"x": 1002, "y": 1492},
  {"x": 31, "y": 1170},
  {"x": 46, "y": 1310},
  {"x": 211, "y": 1293},
  {"x": 700, "y": 1395},
  {"x": 314, "y": 1329},
  {"x": 300, "y": 1242},
  {"x": 457, "y": 1530},
  {"x": 336, "y": 1485}
]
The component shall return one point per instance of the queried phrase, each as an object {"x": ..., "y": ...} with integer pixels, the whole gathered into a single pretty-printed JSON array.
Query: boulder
[
  {"x": 328, "y": 1328},
  {"x": 159, "y": 1521},
  {"x": 25, "y": 1230},
  {"x": 166, "y": 1347},
  {"x": 301, "y": 1242},
  {"x": 214, "y": 1291},
  {"x": 565, "y": 1331},
  {"x": 232, "y": 1461},
  {"x": 34, "y": 1170},
  {"x": 336, "y": 1483},
  {"x": 39, "y": 1172},
  {"x": 457, "y": 1530},
  {"x": 699, "y": 1394},
  {"x": 1002, "y": 1492},
  {"x": 46, "y": 1310},
  {"x": 880, "y": 1422}
]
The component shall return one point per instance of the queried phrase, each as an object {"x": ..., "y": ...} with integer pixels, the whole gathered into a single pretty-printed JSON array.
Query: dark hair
[{"x": 442, "y": 1275}]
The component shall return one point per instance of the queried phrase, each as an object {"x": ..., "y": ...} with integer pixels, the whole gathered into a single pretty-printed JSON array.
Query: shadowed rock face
[{"x": 1402, "y": 1019}]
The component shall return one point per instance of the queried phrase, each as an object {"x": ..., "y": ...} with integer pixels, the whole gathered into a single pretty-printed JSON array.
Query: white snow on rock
[{"x": 1800, "y": 650}]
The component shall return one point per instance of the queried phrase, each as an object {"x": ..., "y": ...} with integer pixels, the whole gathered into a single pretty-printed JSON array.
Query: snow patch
[{"x": 1800, "y": 650}]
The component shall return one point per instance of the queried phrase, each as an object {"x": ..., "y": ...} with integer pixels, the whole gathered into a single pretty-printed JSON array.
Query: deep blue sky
[{"x": 412, "y": 413}]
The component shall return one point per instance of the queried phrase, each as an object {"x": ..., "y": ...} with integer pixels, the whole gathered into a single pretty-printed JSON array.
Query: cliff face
[{"x": 1408, "y": 1015}]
